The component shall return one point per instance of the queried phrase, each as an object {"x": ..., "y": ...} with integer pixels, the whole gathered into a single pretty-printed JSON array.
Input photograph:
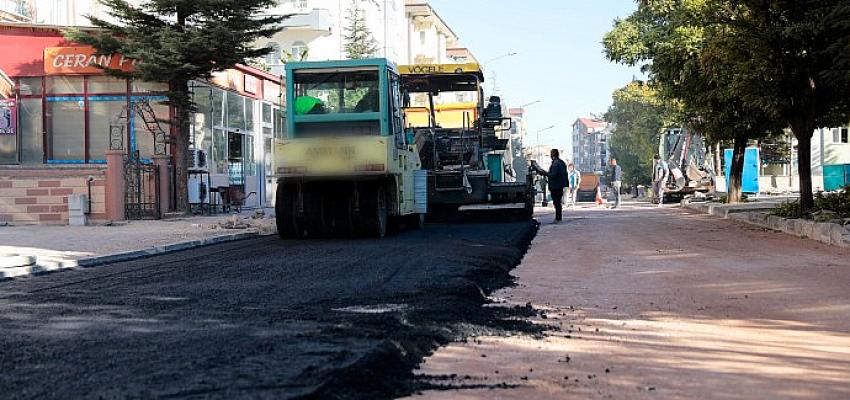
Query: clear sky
[{"x": 559, "y": 56}]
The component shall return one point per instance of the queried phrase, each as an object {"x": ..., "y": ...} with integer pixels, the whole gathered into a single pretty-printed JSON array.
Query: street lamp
[
  {"x": 510, "y": 54},
  {"x": 530, "y": 104},
  {"x": 539, "y": 156}
]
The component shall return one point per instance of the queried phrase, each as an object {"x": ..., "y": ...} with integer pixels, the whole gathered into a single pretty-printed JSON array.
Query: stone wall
[{"x": 32, "y": 195}]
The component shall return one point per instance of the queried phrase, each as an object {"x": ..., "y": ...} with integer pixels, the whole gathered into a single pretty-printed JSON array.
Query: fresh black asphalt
[{"x": 260, "y": 318}]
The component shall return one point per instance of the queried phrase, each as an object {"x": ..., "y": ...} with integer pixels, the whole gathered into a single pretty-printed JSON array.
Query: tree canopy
[{"x": 640, "y": 116}]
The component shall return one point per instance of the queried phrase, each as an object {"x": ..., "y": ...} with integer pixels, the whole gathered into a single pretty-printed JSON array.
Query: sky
[{"x": 559, "y": 59}]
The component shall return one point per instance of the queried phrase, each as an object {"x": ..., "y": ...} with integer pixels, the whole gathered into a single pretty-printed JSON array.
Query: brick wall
[{"x": 39, "y": 194}]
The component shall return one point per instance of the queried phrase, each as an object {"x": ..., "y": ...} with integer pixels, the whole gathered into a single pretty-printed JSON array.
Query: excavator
[
  {"x": 691, "y": 171},
  {"x": 464, "y": 144}
]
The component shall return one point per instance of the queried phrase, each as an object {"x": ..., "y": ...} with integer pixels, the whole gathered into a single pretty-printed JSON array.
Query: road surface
[
  {"x": 260, "y": 318},
  {"x": 643, "y": 303}
]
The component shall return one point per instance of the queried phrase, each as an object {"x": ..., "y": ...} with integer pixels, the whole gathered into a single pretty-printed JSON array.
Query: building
[
  {"x": 590, "y": 150},
  {"x": 315, "y": 30},
  {"x": 66, "y": 110},
  {"x": 428, "y": 36}
]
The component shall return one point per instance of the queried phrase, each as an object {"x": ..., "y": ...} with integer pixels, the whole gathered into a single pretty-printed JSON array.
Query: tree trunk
[
  {"x": 736, "y": 173},
  {"x": 179, "y": 100},
  {"x": 803, "y": 131},
  {"x": 718, "y": 170}
]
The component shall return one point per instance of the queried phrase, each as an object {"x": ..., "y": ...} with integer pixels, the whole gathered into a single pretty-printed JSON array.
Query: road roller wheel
[{"x": 286, "y": 213}]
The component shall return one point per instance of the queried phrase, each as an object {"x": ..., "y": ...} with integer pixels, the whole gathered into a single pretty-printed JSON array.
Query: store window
[
  {"x": 30, "y": 86},
  {"x": 64, "y": 84},
  {"x": 250, "y": 107},
  {"x": 143, "y": 138},
  {"x": 103, "y": 113},
  {"x": 106, "y": 84},
  {"x": 235, "y": 111},
  {"x": 66, "y": 129},
  {"x": 219, "y": 151},
  {"x": 149, "y": 87},
  {"x": 31, "y": 131},
  {"x": 279, "y": 123}
]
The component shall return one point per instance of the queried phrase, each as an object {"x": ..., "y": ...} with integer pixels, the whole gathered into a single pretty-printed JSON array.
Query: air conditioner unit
[{"x": 198, "y": 160}]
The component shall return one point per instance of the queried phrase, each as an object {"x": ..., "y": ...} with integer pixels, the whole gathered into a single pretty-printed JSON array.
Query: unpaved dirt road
[
  {"x": 261, "y": 318},
  {"x": 643, "y": 303}
]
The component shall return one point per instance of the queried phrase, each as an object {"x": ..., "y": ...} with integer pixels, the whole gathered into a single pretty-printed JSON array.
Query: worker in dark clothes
[
  {"x": 616, "y": 180},
  {"x": 557, "y": 176}
]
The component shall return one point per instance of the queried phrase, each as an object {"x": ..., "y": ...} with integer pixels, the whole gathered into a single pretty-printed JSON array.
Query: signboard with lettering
[
  {"x": 431, "y": 69},
  {"x": 8, "y": 117},
  {"x": 82, "y": 60}
]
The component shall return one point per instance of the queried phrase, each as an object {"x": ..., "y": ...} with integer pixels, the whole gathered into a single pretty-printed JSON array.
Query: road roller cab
[{"x": 345, "y": 166}]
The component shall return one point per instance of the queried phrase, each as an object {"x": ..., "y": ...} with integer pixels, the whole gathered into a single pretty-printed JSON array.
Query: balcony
[{"x": 317, "y": 19}]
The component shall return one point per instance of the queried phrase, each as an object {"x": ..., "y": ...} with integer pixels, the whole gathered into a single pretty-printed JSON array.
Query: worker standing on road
[
  {"x": 616, "y": 181},
  {"x": 660, "y": 172},
  {"x": 574, "y": 180},
  {"x": 557, "y": 175}
]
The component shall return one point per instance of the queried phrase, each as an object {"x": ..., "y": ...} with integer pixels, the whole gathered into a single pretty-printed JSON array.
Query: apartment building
[{"x": 590, "y": 150}]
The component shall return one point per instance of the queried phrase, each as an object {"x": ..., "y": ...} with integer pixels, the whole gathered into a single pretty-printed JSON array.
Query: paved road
[
  {"x": 644, "y": 303},
  {"x": 259, "y": 319}
]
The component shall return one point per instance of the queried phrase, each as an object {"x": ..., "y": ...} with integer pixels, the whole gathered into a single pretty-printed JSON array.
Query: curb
[
  {"x": 164, "y": 249},
  {"x": 36, "y": 266},
  {"x": 826, "y": 233}
]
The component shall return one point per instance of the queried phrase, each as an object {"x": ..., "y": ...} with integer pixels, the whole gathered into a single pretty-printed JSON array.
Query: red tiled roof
[{"x": 593, "y": 123}]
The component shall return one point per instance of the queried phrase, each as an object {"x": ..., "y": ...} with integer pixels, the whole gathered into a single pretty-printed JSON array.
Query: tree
[
  {"x": 790, "y": 59},
  {"x": 673, "y": 41},
  {"x": 640, "y": 115},
  {"x": 177, "y": 41},
  {"x": 359, "y": 43}
]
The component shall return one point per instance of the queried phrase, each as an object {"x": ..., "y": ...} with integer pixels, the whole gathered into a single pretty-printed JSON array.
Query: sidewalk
[
  {"x": 32, "y": 249},
  {"x": 647, "y": 303}
]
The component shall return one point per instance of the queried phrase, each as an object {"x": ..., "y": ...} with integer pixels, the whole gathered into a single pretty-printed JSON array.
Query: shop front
[{"x": 68, "y": 116}]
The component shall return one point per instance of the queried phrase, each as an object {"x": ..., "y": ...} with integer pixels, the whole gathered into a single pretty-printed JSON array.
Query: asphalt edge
[
  {"x": 398, "y": 357},
  {"x": 35, "y": 268}
]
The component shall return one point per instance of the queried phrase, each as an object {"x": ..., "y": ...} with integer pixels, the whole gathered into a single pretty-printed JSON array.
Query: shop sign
[
  {"x": 82, "y": 60},
  {"x": 8, "y": 117}
]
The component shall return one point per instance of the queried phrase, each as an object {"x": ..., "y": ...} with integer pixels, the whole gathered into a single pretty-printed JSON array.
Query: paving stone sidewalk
[{"x": 25, "y": 250}]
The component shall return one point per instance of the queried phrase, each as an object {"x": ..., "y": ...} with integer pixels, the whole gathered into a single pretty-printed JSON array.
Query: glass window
[
  {"x": 144, "y": 137},
  {"x": 299, "y": 51},
  {"x": 235, "y": 111},
  {"x": 250, "y": 162},
  {"x": 102, "y": 114},
  {"x": 217, "y": 107},
  {"x": 149, "y": 87},
  {"x": 66, "y": 129},
  {"x": 202, "y": 118},
  {"x": 219, "y": 151},
  {"x": 267, "y": 113},
  {"x": 31, "y": 129},
  {"x": 268, "y": 145},
  {"x": 279, "y": 124},
  {"x": 64, "y": 84},
  {"x": 106, "y": 84},
  {"x": 273, "y": 57},
  {"x": 30, "y": 86},
  {"x": 336, "y": 92},
  {"x": 250, "y": 105}
]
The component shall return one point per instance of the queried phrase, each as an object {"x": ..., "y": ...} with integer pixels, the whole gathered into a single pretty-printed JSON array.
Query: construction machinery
[
  {"x": 463, "y": 143},
  {"x": 346, "y": 167},
  {"x": 691, "y": 171}
]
